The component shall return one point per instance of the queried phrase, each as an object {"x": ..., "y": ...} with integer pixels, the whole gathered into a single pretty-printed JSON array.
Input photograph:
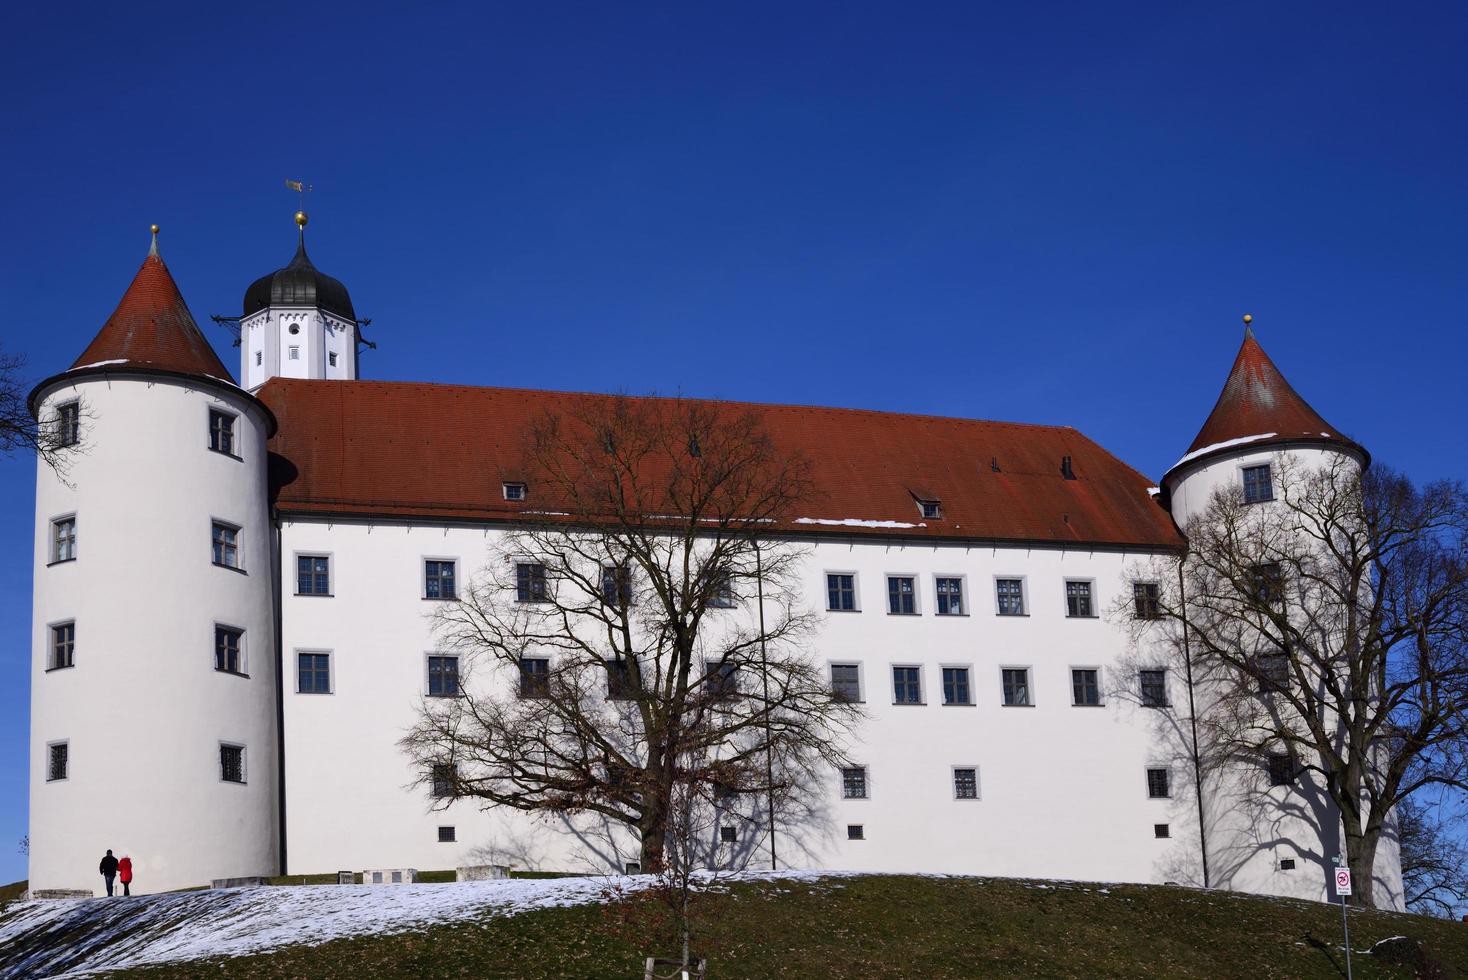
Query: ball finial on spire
[
  {"x": 301, "y": 219},
  {"x": 1248, "y": 324},
  {"x": 1248, "y": 319},
  {"x": 153, "y": 246},
  {"x": 153, "y": 229}
]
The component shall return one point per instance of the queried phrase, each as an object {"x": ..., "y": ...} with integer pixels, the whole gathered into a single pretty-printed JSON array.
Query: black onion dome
[{"x": 300, "y": 284}]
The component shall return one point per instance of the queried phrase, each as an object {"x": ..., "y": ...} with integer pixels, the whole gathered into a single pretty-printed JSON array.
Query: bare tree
[
  {"x": 1434, "y": 863},
  {"x": 1326, "y": 632},
  {"x": 52, "y": 440},
  {"x": 640, "y": 631}
]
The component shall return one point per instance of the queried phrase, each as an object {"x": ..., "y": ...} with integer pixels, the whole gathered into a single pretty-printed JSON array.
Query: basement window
[
  {"x": 446, "y": 835},
  {"x": 633, "y": 868},
  {"x": 856, "y": 831},
  {"x": 728, "y": 835},
  {"x": 1161, "y": 831}
]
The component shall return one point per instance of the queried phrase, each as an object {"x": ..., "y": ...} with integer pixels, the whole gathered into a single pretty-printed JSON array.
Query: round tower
[{"x": 154, "y": 684}]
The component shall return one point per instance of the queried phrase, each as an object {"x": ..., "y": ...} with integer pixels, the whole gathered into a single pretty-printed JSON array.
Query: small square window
[
  {"x": 1010, "y": 593},
  {"x": 68, "y": 424},
  {"x": 438, "y": 579},
  {"x": 965, "y": 784},
  {"x": 1085, "y": 687},
  {"x": 901, "y": 596},
  {"x": 1153, "y": 685},
  {"x": 377, "y": 877},
  {"x": 530, "y": 582},
  {"x": 854, "y": 783},
  {"x": 397, "y": 877},
  {"x": 221, "y": 432},
  {"x": 1258, "y": 487},
  {"x": 1281, "y": 769},
  {"x": 534, "y": 677},
  {"x": 907, "y": 685},
  {"x": 331, "y": 358},
  {"x": 232, "y": 763},
  {"x": 295, "y": 353},
  {"x": 1146, "y": 600},
  {"x": 930, "y": 509},
  {"x": 58, "y": 761},
  {"x": 226, "y": 545},
  {"x": 313, "y": 673},
  {"x": 227, "y": 650},
  {"x": 846, "y": 682},
  {"x": 1078, "y": 603},
  {"x": 1286, "y": 864},
  {"x": 514, "y": 491},
  {"x": 446, "y": 835},
  {"x": 950, "y": 596},
  {"x": 956, "y": 686},
  {"x": 63, "y": 645},
  {"x": 1016, "y": 682},
  {"x": 856, "y": 831},
  {"x": 841, "y": 593},
  {"x": 313, "y": 575},
  {"x": 63, "y": 539},
  {"x": 443, "y": 777},
  {"x": 728, "y": 835},
  {"x": 1161, "y": 831},
  {"x": 1159, "y": 783}
]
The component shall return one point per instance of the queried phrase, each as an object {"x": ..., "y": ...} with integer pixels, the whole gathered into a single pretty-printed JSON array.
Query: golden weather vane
[{"x": 302, "y": 188}]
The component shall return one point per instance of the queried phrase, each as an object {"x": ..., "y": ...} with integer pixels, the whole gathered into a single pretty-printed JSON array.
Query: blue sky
[{"x": 1037, "y": 212}]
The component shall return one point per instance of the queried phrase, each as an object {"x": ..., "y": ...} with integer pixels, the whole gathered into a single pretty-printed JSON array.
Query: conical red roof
[
  {"x": 1258, "y": 406},
  {"x": 152, "y": 327}
]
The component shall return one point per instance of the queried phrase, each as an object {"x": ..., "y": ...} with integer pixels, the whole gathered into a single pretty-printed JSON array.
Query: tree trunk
[
  {"x": 654, "y": 830},
  {"x": 1361, "y": 859}
]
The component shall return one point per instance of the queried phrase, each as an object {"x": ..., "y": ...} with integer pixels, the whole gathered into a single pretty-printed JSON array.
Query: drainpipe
[
  {"x": 759, "y": 582},
  {"x": 276, "y": 585},
  {"x": 1193, "y": 721}
]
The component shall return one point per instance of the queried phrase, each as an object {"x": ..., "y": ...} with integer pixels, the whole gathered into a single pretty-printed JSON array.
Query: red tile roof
[
  {"x": 442, "y": 452},
  {"x": 152, "y": 327},
  {"x": 1258, "y": 401}
]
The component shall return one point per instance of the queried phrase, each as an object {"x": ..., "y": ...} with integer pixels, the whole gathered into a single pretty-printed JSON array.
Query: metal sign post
[{"x": 1342, "y": 889}]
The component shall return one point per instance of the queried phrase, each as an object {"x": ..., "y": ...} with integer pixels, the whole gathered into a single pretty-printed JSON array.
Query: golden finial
[
  {"x": 301, "y": 218},
  {"x": 1248, "y": 319},
  {"x": 153, "y": 229},
  {"x": 153, "y": 248}
]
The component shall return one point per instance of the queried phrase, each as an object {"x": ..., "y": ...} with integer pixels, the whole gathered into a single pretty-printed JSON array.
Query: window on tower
[
  {"x": 221, "y": 432},
  {"x": 295, "y": 353},
  {"x": 63, "y": 539},
  {"x": 226, "y": 545},
  {"x": 1258, "y": 487},
  {"x": 58, "y": 761},
  {"x": 228, "y": 650},
  {"x": 68, "y": 424},
  {"x": 232, "y": 763},
  {"x": 63, "y": 645},
  {"x": 331, "y": 358}
]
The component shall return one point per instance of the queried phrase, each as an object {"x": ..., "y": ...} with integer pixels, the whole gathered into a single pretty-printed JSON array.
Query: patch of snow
[
  {"x": 853, "y": 522},
  {"x": 115, "y": 360},
  {"x": 1241, "y": 440},
  {"x": 1153, "y": 491}
]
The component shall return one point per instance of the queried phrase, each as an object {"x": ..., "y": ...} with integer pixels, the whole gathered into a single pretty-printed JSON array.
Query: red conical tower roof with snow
[{"x": 152, "y": 328}]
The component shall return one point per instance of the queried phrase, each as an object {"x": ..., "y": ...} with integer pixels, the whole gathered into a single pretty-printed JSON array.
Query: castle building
[{"x": 233, "y": 583}]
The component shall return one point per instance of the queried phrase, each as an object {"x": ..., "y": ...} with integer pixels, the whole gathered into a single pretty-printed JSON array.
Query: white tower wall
[{"x": 143, "y": 710}]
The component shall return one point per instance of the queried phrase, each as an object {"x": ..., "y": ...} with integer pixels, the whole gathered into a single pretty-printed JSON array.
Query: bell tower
[{"x": 298, "y": 322}]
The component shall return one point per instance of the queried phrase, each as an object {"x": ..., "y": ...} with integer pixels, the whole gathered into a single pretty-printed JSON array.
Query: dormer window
[
  {"x": 931, "y": 509},
  {"x": 515, "y": 491}
]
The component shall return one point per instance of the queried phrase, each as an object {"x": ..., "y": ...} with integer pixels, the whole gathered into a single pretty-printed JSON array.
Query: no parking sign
[{"x": 1342, "y": 881}]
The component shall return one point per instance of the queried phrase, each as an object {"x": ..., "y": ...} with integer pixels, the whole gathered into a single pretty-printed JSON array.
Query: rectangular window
[
  {"x": 57, "y": 761},
  {"x": 534, "y": 677},
  {"x": 722, "y": 594},
  {"x": 723, "y": 679},
  {"x": 1085, "y": 687},
  {"x": 1281, "y": 769},
  {"x": 446, "y": 835},
  {"x": 950, "y": 596},
  {"x": 530, "y": 582},
  {"x": 1011, "y": 596},
  {"x": 514, "y": 491},
  {"x": 227, "y": 650},
  {"x": 1159, "y": 784},
  {"x": 1078, "y": 600},
  {"x": 965, "y": 784},
  {"x": 854, "y": 783},
  {"x": 438, "y": 579},
  {"x": 1153, "y": 684},
  {"x": 444, "y": 776},
  {"x": 955, "y": 686},
  {"x": 226, "y": 545},
  {"x": 313, "y": 575},
  {"x": 1286, "y": 864},
  {"x": 1016, "y": 686},
  {"x": 1266, "y": 584},
  {"x": 1161, "y": 831},
  {"x": 1146, "y": 600},
  {"x": 616, "y": 585},
  {"x": 63, "y": 645},
  {"x": 1274, "y": 671},
  {"x": 901, "y": 597},
  {"x": 69, "y": 424},
  {"x": 232, "y": 763},
  {"x": 619, "y": 681},
  {"x": 841, "y": 593},
  {"x": 221, "y": 432},
  {"x": 907, "y": 685},
  {"x": 1258, "y": 487},
  {"x": 846, "y": 682},
  {"x": 443, "y": 677},
  {"x": 63, "y": 539},
  {"x": 930, "y": 509},
  {"x": 313, "y": 673},
  {"x": 855, "y": 831},
  {"x": 632, "y": 868},
  {"x": 331, "y": 358},
  {"x": 295, "y": 353},
  {"x": 259, "y": 358}
]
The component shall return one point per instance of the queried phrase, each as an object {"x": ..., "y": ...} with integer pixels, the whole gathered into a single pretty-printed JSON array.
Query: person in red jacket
[{"x": 125, "y": 873}]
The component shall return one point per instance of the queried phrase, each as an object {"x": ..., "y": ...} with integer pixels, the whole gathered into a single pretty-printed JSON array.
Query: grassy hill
[{"x": 898, "y": 926}]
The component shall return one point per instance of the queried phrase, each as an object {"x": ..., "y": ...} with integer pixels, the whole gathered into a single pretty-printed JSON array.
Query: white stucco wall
[{"x": 143, "y": 709}]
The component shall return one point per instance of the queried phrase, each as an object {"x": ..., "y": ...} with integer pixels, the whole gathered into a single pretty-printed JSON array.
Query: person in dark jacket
[
  {"x": 125, "y": 873},
  {"x": 108, "y": 867}
]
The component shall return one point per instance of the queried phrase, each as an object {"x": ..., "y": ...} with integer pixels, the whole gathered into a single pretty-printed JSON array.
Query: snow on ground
[{"x": 78, "y": 937}]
